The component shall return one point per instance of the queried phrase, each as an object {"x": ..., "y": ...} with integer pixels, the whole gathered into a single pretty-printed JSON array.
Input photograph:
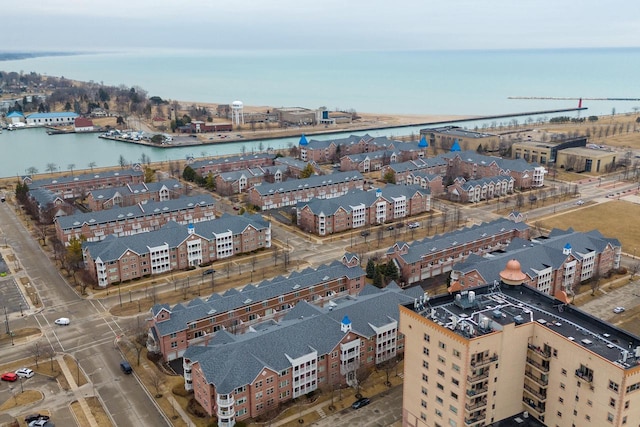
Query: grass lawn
[{"x": 614, "y": 219}]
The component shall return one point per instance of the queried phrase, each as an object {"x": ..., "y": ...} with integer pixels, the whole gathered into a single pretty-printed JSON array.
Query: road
[{"x": 90, "y": 336}]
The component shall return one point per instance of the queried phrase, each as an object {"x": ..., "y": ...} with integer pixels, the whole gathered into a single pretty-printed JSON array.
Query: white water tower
[{"x": 237, "y": 113}]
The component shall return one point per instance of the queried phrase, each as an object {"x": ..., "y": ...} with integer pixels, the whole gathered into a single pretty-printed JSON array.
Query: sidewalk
[{"x": 76, "y": 391}]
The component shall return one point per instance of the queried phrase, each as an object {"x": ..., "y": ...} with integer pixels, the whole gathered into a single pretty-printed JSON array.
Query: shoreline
[{"x": 242, "y": 136}]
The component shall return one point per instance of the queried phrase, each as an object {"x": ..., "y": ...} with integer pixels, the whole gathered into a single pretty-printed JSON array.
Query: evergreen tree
[
  {"x": 391, "y": 271},
  {"x": 371, "y": 269},
  {"x": 189, "y": 174},
  {"x": 377, "y": 278}
]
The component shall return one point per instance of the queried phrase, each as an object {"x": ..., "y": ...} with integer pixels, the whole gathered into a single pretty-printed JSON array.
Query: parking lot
[{"x": 11, "y": 297}]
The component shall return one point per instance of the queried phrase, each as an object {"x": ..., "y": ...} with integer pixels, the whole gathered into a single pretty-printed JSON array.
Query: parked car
[
  {"x": 126, "y": 367},
  {"x": 208, "y": 271},
  {"x": 363, "y": 401},
  {"x": 414, "y": 225},
  {"x": 618, "y": 310},
  {"x": 40, "y": 423},
  {"x": 391, "y": 227},
  {"x": 365, "y": 233},
  {"x": 35, "y": 417},
  {"x": 400, "y": 225},
  {"x": 25, "y": 373},
  {"x": 9, "y": 376},
  {"x": 580, "y": 202},
  {"x": 63, "y": 321}
]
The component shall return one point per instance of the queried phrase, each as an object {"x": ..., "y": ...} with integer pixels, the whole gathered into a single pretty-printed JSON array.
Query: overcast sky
[{"x": 64, "y": 25}]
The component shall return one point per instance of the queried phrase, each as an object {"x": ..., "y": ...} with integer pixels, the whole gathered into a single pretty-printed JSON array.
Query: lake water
[{"x": 400, "y": 82}]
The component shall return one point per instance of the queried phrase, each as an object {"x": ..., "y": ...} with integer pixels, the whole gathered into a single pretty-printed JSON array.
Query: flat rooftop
[{"x": 488, "y": 308}]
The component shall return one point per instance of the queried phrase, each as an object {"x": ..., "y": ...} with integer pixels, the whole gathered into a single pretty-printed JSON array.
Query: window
[
  {"x": 426, "y": 337},
  {"x": 441, "y": 359},
  {"x": 455, "y": 381},
  {"x": 425, "y": 378},
  {"x": 455, "y": 367},
  {"x": 423, "y": 403},
  {"x": 624, "y": 419},
  {"x": 439, "y": 400},
  {"x": 626, "y": 405},
  {"x": 559, "y": 414},
  {"x": 612, "y": 402},
  {"x": 456, "y": 353},
  {"x": 439, "y": 413},
  {"x": 424, "y": 391},
  {"x": 590, "y": 403},
  {"x": 561, "y": 400},
  {"x": 610, "y": 417},
  {"x": 454, "y": 395},
  {"x": 440, "y": 386},
  {"x": 425, "y": 351},
  {"x": 613, "y": 386},
  {"x": 442, "y": 345},
  {"x": 564, "y": 372},
  {"x": 453, "y": 409},
  {"x": 587, "y": 417},
  {"x": 425, "y": 364},
  {"x": 562, "y": 386}
]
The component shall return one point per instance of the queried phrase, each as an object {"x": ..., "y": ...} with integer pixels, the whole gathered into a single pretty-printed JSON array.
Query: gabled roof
[
  {"x": 198, "y": 164},
  {"x": 136, "y": 211},
  {"x": 311, "y": 182},
  {"x": 84, "y": 177}
]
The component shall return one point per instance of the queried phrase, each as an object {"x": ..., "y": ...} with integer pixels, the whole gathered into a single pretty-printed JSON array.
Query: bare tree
[
  {"x": 138, "y": 336},
  {"x": 49, "y": 352},
  {"x": 157, "y": 380},
  {"x": 36, "y": 351}
]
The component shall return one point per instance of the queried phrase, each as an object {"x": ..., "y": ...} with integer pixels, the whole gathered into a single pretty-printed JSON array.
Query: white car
[
  {"x": 580, "y": 202},
  {"x": 414, "y": 225},
  {"x": 25, "y": 373},
  {"x": 618, "y": 310},
  {"x": 63, "y": 321}
]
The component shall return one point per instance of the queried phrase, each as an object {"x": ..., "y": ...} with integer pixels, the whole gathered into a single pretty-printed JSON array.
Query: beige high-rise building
[{"x": 474, "y": 358}]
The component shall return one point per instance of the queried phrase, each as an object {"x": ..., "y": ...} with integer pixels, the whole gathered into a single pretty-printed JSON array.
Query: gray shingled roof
[
  {"x": 83, "y": 177},
  {"x": 360, "y": 197},
  {"x": 109, "y": 193},
  {"x": 311, "y": 182},
  {"x": 455, "y": 238},
  {"x": 485, "y": 181},
  {"x": 198, "y": 164},
  {"x": 173, "y": 234},
  {"x": 136, "y": 211},
  {"x": 518, "y": 165},
  {"x": 418, "y": 164},
  {"x": 265, "y": 290},
  {"x": 229, "y": 365}
]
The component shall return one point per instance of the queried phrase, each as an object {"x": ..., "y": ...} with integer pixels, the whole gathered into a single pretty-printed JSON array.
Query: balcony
[
  {"x": 539, "y": 380},
  {"x": 477, "y": 392},
  {"x": 536, "y": 393},
  {"x": 477, "y": 377},
  {"x": 546, "y": 355},
  {"x": 473, "y": 406},
  {"x": 584, "y": 376},
  {"x": 475, "y": 421},
  {"x": 531, "y": 404},
  {"x": 225, "y": 400},
  {"x": 537, "y": 365},
  {"x": 483, "y": 362}
]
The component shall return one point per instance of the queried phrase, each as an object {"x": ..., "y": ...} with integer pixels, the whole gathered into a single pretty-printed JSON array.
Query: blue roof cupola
[
  {"x": 378, "y": 192},
  {"x": 423, "y": 142},
  {"x": 455, "y": 146},
  {"x": 567, "y": 249},
  {"x": 191, "y": 228},
  {"x": 345, "y": 325},
  {"x": 303, "y": 140}
]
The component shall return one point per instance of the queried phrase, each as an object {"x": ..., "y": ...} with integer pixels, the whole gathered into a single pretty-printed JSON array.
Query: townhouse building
[
  {"x": 295, "y": 166},
  {"x": 475, "y": 357},
  {"x": 331, "y": 151},
  {"x": 404, "y": 172},
  {"x": 471, "y": 165},
  {"x": 362, "y": 208},
  {"x": 78, "y": 185},
  {"x": 368, "y": 162},
  {"x": 236, "y": 377},
  {"x": 173, "y": 329},
  {"x": 429, "y": 257},
  {"x": 129, "y": 220},
  {"x": 476, "y": 190},
  {"x": 433, "y": 182},
  {"x": 235, "y": 182},
  {"x": 558, "y": 263},
  {"x": 291, "y": 192},
  {"x": 174, "y": 247},
  {"x": 132, "y": 194},
  {"x": 215, "y": 166},
  {"x": 49, "y": 204}
]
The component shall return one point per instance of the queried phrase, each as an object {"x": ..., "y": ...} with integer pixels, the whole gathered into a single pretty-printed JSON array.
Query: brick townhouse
[
  {"x": 173, "y": 329},
  {"x": 132, "y": 194},
  {"x": 361, "y": 208},
  {"x": 289, "y": 193},
  {"x": 174, "y": 247},
  {"x": 78, "y": 185},
  {"x": 124, "y": 221},
  {"x": 554, "y": 265},
  {"x": 475, "y": 190},
  {"x": 368, "y": 162},
  {"x": 429, "y": 257},
  {"x": 332, "y": 150},
  {"x": 403, "y": 170},
  {"x": 235, "y": 377},
  {"x": 235, "y": 182},
  {"x": 217, "y": 165}
]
